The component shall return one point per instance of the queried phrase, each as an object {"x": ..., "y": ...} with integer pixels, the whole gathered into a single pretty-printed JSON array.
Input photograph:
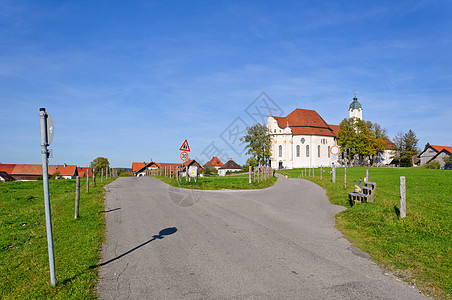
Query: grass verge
[
  {"x": 24, "y": 266},
  {"x": 233, "y": 182},
  {"x": 417, "y": 248}
]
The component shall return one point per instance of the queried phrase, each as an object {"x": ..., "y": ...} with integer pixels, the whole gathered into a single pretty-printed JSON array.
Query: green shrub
[{"x": 434, "y": 164}]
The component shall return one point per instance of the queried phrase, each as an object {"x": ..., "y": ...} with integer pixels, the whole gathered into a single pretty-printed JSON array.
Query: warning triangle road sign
[{"x": 185, "y": 146}]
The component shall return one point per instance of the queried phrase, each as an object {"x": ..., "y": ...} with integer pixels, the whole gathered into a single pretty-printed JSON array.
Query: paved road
[{"x": 277, "y": 243}]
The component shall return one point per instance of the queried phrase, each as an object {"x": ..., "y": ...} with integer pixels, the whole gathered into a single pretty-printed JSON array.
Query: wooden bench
[{"x": 363, "y": 193}]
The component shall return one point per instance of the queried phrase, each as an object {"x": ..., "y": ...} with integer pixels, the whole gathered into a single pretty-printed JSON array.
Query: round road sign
[
  {"x": 335, "y": 150},
  {"x": 184, "y": 156}
]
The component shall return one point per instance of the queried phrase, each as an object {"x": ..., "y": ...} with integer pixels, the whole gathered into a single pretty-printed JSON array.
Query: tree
[
  {"x": 258, "y": 144},
  {"x": 398, "y": 142},
  {"x": 408, "y": 148},
  {"x": 99, "y": 163},
  {"x": 361, "y": 141}
]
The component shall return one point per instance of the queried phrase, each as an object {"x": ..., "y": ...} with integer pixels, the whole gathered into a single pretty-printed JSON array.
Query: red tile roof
[
  {"x": 25, "y": 169},
  {"x": 8, "y": 168},
  {"x": 82, "y": 171},
  {"x": 305, "y": 121},
  {"x": 437, "y": 148},
  {"x": 136, "y": 166},
  {"x": 215, "y": 162},
  {"x": 441, "y": 148}
]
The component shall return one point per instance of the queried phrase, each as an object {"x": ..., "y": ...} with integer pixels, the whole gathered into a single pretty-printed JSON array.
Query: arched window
[
  {"x": 298, "y": 150},
  {"x": 307, "y": 150},
  {"x": 329, "y": 149},
  {"x": 318, "y": 150},
  {"x": 280, "y": 150}
]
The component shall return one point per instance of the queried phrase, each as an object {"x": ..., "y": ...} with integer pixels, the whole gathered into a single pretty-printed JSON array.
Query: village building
[
  {"x": 25, "y": 172},
  {"x": 231, "y": 166},
  {"x": 435, "y": 153},
  {"x": 140, "y": 168},
  {"x": 215, "y": 162},
  {"x": 303, "y": 139},
  {"x": 83, "y": 171}
]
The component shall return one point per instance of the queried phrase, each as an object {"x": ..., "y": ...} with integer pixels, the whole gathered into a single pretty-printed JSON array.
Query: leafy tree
[
  {"x": 361, "y": 140},
  {"x": 99, "y": 163},
  {"x": 258, "y": 143}
]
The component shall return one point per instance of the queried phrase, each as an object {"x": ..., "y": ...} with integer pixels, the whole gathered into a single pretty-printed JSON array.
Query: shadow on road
[{"x": 161, "y": 235}]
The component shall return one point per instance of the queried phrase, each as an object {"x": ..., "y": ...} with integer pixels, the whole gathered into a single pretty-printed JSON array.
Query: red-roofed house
[
  {"x": 82, "y": 171},
  {"x": 31, "y": 172},
  {"x": 140, "y": 168},
  {"x": 435, "y": 152},
  {"x": 214, "y": 162}
]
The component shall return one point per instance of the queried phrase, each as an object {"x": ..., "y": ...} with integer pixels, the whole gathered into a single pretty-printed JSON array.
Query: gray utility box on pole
[{"x": 46, "y": 139}]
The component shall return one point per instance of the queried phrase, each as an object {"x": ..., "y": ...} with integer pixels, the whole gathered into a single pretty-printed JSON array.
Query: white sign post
[
  {"x": 46, "y": 139},
  {"x": 193, "y": 172}
]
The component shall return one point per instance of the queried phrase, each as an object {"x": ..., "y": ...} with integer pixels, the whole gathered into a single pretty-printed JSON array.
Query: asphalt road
[{"x": 278, "y": 243}]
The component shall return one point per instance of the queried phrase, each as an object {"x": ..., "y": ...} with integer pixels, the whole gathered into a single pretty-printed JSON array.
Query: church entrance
[{"x": 280, "y": 165}]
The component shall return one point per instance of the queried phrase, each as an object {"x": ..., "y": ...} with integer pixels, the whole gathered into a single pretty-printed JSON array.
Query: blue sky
[{"x": 131, "y": 80}]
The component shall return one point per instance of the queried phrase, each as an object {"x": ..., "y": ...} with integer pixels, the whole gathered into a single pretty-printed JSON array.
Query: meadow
[
  {"x": 231, "y": 182},
  {"x": 24, "y": 266},
  {"x": 417, "y": 248}
]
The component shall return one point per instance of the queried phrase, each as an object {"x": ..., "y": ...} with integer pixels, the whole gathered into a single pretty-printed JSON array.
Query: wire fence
[
  {"x": 415, "y": 194},
  {"x": 39, "y": 221}
]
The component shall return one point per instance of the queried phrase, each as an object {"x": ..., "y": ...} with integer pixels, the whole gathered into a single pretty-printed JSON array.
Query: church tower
[{"x": 355, "y": 110}]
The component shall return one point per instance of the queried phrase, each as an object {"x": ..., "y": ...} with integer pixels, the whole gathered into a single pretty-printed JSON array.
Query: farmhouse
[
  {"x": 32, "y": 172},
  {"x": 215, "y": 162},
  {"x": 140, "y": 168},
  {"x": 435, "y": 153},
  {"x": 230, "y": 166}
]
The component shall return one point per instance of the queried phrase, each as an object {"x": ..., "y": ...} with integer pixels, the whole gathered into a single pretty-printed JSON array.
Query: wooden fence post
[
  {"x": 77, "y": 196},
  {"x": 402, "y": 197},
  {"x": 367, "y": 175},
  {"x": 345, "y": 177},
  {"x": 258, "y": 175},
  {"x": 106, "y": 173},
  {"x": 334, "y": 173},
  {"x": 87, "y": 181},
  {"x": 249, "y": 174},
  {"x": 321, "y": 171},
  {"x": 94, "y": 178},
  {"x": 102, "y": 175}
]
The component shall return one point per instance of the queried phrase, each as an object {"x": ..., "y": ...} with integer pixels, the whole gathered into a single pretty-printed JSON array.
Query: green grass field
[
  {"x": 417, "y": 248},
  {"x": 24, "y": 267},
  {"x": 233, "y": 182}
]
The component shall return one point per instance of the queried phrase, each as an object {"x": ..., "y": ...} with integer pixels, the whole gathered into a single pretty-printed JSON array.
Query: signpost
[
  {"x": 184, "y": 156},
  {"x": 185, "y": 146},
  {"x": 46, "y": 140},
  {"x": 335, "y": 150}
]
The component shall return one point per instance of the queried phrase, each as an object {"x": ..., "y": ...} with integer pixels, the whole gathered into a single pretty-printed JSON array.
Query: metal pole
[{"x": 45, "y": 182}]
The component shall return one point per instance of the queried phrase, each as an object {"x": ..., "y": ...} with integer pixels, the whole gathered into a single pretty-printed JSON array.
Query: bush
[
  {"x": 448, "y": 161},
  {"x": 434, "y": 165}
]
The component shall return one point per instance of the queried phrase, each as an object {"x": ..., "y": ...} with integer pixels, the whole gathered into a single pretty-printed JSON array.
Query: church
[{"x": 302, "y": 139}]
